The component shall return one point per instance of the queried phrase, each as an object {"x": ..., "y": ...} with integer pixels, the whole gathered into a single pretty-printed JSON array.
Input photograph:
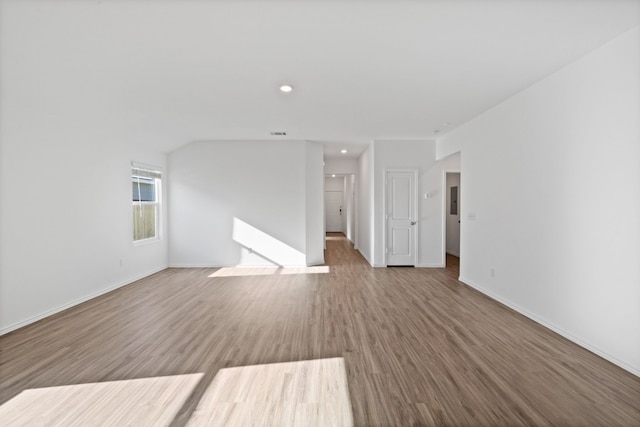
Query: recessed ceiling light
[
  {"x": 286, "y": 88},
  {"x": 343, "y": 151},
  {"x": 333, "y": 175}
]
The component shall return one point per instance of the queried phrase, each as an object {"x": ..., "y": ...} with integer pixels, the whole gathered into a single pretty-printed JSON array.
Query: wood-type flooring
[{"x": 419, "y": 348}]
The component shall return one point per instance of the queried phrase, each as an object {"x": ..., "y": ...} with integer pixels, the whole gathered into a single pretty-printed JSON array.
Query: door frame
[
  {"x": 445, "y": 212},
  {"x": 385, "y": 227},
  {"x": 343, "y": 210},
  {"x": 352, "y": 214}
]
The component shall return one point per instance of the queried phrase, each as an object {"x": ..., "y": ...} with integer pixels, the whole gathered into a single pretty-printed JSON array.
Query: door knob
[{"x": 413, "y": 223}]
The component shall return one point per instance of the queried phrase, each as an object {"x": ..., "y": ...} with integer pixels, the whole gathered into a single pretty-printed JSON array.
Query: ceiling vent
[{"x": 278, "y": 133}]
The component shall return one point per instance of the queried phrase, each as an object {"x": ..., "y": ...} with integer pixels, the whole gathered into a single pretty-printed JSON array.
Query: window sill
[{"x": 144, "y": 242}]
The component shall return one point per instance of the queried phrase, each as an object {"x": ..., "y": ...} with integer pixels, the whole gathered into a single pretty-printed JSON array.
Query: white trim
[
  {"x": 244, "y": 265},
  {"x": 146, "y": 166},
  {"x": 416, "y": 214},
  {"x": 430, "y": 266},
  {"x": 220, "y": 266},
  {"x": 549, "y": 325},
  {"x": 148, "y": 241},
  {"x": 73, "y": 303}
]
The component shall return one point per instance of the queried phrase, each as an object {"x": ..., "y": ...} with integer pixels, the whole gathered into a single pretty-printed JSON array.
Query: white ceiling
[{"x": 176, "y": 71}]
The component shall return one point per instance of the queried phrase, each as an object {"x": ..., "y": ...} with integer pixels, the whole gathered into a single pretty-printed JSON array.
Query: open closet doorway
[{"x": 452, "y": 219}]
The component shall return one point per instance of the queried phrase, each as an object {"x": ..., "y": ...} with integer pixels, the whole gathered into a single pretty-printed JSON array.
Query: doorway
[
  {"x": 452, "y": 217},
  {"x": 340, "y": 205},
  {"x": 401, "y": 218},
  {"x": 333, "y": 201}
]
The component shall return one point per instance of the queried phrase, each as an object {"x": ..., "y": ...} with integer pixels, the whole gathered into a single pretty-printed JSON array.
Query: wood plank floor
[
  {"x": 307, "y": 393},
  {"x": 419, "y": 347}
]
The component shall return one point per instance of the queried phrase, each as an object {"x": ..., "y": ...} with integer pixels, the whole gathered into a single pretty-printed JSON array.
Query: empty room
[{"x": 320, "y": 213}]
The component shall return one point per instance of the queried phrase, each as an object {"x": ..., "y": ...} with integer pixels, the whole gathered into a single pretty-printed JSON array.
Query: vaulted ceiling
[{"x": 179, "y": 71}]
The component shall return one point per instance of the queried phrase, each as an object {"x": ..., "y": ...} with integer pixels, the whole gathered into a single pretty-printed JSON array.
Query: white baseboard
[
  {"x": 549, "y": 325},
  {"x": 454, "y": 253},
  {"x": 430, "y": 266},
  {"x": 63, "y": 307},
  {"x": 197, "y": 266},
  {"x": 321, "y": 262}
]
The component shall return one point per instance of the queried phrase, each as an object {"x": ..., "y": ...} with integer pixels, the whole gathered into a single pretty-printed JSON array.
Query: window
[{"x": 145, "y": 182}]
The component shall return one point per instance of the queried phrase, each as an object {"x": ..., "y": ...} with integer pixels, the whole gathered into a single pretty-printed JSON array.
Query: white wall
[
  {"x": 347, "y": 165},
  {"x": 446, "y": 147},
  {"x": 314, "y": 203},
  {"x": 348, "y": 218},
  {"x": 66, "y": 222},
  {"x": 365, "y": 191},
  {"x": 65, "y": 180},
  {"x": 432, "y": 220},
  {"x": 332, "y": 183},
  {"x": 562, "y": 231},
  {"x": 419, "y": 155},
  {"x": 245, "y": 203}
]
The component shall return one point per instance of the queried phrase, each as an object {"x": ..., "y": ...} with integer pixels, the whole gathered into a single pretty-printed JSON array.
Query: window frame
[{"x": 156, "y": 172}]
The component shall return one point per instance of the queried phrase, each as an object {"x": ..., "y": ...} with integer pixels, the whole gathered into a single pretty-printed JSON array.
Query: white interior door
[
  {"x": 333, "y": 210},
  {"x": 401, "y": 218}
]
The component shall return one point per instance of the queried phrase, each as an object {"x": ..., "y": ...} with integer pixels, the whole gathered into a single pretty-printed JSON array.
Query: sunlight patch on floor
[
  {"x": 137, "y": 402},
  {"x": 268, "y": 271},
  {"x": 307, "y": 393}
]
